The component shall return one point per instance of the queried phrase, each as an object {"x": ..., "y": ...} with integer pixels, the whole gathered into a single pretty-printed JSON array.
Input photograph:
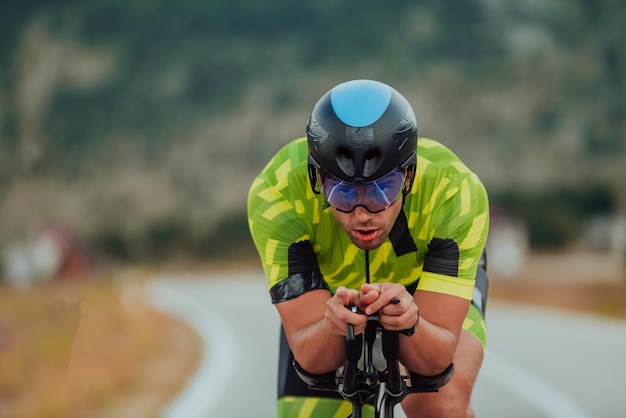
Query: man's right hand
[{"x": 339, "y": 316}]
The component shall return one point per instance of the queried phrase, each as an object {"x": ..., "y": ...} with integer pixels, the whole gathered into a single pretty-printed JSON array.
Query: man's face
[{"x": 368, "y": 230}]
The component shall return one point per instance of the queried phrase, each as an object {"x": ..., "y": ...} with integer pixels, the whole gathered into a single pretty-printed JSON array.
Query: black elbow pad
[
  {"x": 315, "y": 381},
  {"x": 421, "y": 383}
]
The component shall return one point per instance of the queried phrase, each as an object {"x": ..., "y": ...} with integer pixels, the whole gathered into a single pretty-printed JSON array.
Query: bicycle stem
[{"x": 370, "y": 337}]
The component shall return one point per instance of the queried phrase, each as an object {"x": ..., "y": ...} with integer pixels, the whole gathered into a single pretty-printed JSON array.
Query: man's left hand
[{"x": 395, "y": 306}]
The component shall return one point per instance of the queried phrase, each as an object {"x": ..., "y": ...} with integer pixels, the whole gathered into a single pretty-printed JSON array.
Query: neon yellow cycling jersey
[{"x": 436, "y": 242}]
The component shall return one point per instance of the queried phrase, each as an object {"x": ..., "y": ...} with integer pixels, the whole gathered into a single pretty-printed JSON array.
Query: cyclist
[{"x": 361, "y": 212}]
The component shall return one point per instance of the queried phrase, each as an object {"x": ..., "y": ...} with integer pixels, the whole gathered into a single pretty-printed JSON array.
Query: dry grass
[
  {"x": 581, "y": 281},
  {"x": 89, "y": 349},
  {"x": 608, "y": 299}
]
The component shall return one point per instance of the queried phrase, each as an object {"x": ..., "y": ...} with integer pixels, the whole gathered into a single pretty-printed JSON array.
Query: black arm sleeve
[
  {"x": 304, "y": 274},
  {"x": 442, "y": 257}
]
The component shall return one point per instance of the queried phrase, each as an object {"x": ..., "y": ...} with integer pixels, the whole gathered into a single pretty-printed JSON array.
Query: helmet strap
[
  {"x": 313, "y": 179},
  {"x": 409, "y": 179},
  {"x": 410, "y": 165}
]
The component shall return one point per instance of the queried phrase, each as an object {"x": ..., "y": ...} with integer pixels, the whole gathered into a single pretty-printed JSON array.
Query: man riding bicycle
[{"x": 362, "y": 213}]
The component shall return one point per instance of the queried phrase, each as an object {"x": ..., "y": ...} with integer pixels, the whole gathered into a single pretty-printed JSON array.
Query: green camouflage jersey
[
  {"x": 437, "y": 239},
  {"x": 435, "y": 244}
]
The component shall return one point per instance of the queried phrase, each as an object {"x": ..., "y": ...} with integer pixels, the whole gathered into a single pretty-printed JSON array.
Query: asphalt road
[{"x": 540, "y": 363}]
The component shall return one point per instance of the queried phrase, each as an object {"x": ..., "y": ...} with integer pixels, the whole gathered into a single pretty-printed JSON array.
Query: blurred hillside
[{"x": 140, "y": 125}]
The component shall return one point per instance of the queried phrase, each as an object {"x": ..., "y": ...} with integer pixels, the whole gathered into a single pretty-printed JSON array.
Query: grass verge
[
  {"x": 606, "y": 299},
  {"x": 89, "y": 348}
]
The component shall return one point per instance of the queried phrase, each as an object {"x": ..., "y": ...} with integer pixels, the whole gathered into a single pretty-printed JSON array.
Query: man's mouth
[{"x": 366, "y": 234}]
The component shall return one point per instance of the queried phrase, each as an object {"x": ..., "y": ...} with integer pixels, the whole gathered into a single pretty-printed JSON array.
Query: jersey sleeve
[
  {"x": 274, "y": 228},
  {"x": 459, "y": 224},
  {"x": 278, "y": 220}
]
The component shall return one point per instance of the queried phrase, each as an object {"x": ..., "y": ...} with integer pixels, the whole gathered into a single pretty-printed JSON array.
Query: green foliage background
[{"x": 141, "y": 124}]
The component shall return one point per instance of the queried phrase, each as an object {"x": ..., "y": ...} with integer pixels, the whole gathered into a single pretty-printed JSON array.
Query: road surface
[{"x": 540, "y": 363}]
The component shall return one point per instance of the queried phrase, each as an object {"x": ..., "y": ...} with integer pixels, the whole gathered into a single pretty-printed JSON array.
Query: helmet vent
[
  {"x": 371, "y": 162},
  {"x": 345, "y": 161}
]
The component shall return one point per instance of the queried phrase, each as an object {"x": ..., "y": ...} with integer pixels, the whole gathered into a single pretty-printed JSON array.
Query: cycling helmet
[{"x": 360, "y": 131}]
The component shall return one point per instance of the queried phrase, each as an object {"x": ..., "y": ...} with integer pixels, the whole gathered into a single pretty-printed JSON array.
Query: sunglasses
[{"x": 375, "y": 196}]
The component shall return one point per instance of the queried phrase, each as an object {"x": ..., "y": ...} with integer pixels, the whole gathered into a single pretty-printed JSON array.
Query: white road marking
[
  {"x": 531, "y": 388},
  {"x": 218, "y": 365}
]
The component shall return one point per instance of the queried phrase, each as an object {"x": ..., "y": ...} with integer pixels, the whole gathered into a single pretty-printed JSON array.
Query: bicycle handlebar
[{"x": 382, "y": 388}]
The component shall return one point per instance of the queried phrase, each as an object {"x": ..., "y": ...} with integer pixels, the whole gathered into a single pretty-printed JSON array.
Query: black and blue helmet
[{"x": 361, "y": 130}]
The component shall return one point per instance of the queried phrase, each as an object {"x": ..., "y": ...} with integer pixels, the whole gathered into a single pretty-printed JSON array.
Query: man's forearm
[
  {"x": 429, "y": 351},
  {"x": 317, "y": 350}
]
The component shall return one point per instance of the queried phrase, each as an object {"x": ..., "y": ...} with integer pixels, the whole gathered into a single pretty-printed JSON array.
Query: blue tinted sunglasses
[{"x": 375, "y": 196}]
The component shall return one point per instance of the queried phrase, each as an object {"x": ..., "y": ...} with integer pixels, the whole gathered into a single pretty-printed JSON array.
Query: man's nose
[{"x": 362, "y": 214}]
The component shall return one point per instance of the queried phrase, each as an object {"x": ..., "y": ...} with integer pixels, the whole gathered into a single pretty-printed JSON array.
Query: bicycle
[{"x": 383, "y": 389}]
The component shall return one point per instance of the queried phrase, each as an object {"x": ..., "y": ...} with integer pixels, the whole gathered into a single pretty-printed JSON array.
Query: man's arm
[
  {"x": 315, "y": 324},
  {"x": 431, "y": 349},
  {"x": 459, "y": 224}
]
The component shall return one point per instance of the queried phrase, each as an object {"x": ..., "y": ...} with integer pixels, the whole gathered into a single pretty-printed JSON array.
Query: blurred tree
[{"x": 181, "y": 93}]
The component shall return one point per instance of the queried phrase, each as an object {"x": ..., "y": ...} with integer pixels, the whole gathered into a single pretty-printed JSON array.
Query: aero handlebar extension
[{"x": 382, "y": 389}]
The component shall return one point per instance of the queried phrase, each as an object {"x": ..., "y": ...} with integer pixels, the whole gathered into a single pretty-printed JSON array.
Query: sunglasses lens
[{"x": 375, "y": 196}]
